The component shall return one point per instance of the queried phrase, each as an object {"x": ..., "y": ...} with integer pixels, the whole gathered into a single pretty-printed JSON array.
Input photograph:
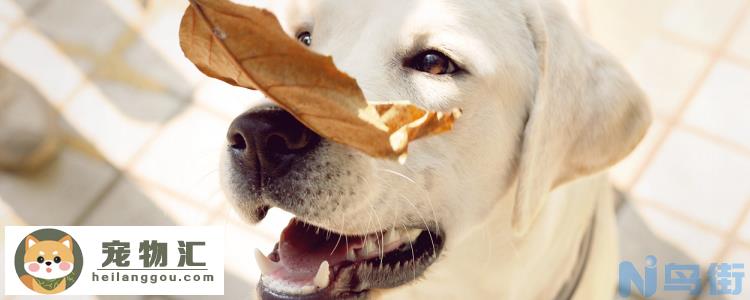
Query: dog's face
[
  {"x": 378, "y": 224},
  {"x": 48, "y": 259}
]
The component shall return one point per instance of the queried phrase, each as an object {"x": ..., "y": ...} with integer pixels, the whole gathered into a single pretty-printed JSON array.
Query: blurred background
[{"x": 104, "y": 122}]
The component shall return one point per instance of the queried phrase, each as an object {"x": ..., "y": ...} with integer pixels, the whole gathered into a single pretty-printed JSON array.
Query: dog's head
[
  {"x": 542, "y": 106},
  {"x": 48, "y": 259}
]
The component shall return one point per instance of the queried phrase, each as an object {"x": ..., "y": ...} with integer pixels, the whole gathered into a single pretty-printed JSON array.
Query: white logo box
[{"x": 188, "y": 280}]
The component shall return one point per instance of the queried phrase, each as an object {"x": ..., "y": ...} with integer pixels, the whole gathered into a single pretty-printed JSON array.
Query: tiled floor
[{"x": 143, "y": 127}]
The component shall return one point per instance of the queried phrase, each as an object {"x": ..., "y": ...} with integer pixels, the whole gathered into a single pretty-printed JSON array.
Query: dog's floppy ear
[
  {"x": 31, "y": 241},
  {"x": 587, "y": 114}
]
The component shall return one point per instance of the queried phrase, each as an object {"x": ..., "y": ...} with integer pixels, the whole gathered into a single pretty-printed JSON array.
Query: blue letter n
[{"x": 628, "y": 274}]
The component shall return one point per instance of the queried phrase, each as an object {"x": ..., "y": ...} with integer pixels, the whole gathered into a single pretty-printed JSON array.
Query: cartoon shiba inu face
[{"x": 49, "y": 259}]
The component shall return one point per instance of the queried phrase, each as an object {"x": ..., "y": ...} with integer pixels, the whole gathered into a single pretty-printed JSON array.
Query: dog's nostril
[
  {"x": 238, "y": 142},
  {"x": 48, "y": 263},
  {"x": 277, "y": 144},
  {"x": 285, "y": 143}
]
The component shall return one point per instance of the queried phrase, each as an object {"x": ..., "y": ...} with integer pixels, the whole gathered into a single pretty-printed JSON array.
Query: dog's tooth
[
  {"x": 323, "y": 276},
  {"x": 265, "y": 265},
  {"x": 391, "y": 236},
  {"x": 350, "y": 255},
  {"x": 411, "y": 235},
  {"x": 308, "y": 289},
  {"x": 370, "y": 247}
]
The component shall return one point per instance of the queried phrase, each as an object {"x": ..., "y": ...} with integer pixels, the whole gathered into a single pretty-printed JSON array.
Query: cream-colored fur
[{"x": 516, "y": 183}]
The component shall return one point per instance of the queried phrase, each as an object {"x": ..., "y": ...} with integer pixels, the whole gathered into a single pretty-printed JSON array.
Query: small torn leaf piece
[{"x": 246, "y": 46}]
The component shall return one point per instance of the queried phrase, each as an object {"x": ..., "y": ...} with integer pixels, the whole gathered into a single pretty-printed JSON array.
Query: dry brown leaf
[{"x": 246, "y": 46}]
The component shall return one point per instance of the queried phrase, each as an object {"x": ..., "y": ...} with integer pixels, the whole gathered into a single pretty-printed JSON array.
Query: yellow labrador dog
[{"x": 511, "y": 204}]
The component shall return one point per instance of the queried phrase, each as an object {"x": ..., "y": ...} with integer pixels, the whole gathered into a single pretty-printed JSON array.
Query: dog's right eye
[
  {"x": 57, "y": 259},
  {"x": 40, "y": 259}
]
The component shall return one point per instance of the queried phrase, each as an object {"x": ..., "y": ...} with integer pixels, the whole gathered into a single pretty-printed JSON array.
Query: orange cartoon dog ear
[
  {"x": 30, "y": 241},
  {"x": 67, "y": 241}
]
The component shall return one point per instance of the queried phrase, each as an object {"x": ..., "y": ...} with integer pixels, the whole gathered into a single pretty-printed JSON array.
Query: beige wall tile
[
  {"x": 160, "y": 31},
  {"x": 624, "y": 173},
  {"x": 135, "y": 203},
  {"x": 622, "y": 26},
  {"x": 116, "y": 134},
  {"x": 59, "y": 194},
  {"x": 680, "y": 234},
  {"x": 740, "y": 44},
  {"x": 9, "y": 11},
  {"x": 227, "y": 99},
  {"x": 31, "y": 6},
  {"x": 129, "y": 10},
  {"x": 80, "y": 24},
  {"x": 151, "y": 69},
  {"x": 666, "y": 72},
  {"x": 703, "y": 21},
  {"x": 8, "y": 216},
  {"x": 271, "y": 226},
  {"x": 185, "y": 156},
  {"x": 744, "y": 232},
  {"x": 32, "y": 56},
  {"x": 697, "y": 178},
  {"x": 241, "y": 243},
  {"x": 4, "y": 29},
  {"x": 722, "y": 106},
  {"x": 645, "y": 231}
]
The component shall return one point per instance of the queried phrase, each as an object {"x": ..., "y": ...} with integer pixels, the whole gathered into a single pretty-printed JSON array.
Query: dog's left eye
[
  {"x": 432, "y": 62},
  {"x": 57, "y": 259},
  {"x": 305, "y": 38}
]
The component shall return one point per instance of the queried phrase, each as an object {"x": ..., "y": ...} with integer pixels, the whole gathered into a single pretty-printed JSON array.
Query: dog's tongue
[{"x": 302, "y": 248}]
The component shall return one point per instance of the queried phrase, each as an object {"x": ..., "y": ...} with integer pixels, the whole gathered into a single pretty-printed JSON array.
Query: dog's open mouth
[{"x": 310, "y": 262}]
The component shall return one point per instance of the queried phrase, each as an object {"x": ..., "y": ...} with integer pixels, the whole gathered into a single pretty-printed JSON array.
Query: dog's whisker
[
  {"x": 372, "y": 212},
  {"x": 369, "y": 222},
  {"x": 413, "y": 257},
  {"x": 399, "y": 174},
  {"x": 432, "y": 208},
  {"x": 335, "y": 246},
  {"x": 379, "y": 230},
  {"x": 427, "y": 227},
  {"x": 434, "y": 214},
  {"x": 205, "y": 176},
  {"x": 337, "y": 240},
  {"x": 419, "y": 214},
  {"x": 427, "y": 196}
]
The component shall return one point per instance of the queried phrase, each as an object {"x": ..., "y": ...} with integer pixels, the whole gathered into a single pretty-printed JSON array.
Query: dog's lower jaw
[
  {"x": 490, "y": 263},
  {"x": 358, "y": 264}
]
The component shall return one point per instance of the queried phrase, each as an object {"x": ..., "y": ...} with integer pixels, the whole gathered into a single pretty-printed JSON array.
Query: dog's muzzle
[{"x": 268, "y": 147}]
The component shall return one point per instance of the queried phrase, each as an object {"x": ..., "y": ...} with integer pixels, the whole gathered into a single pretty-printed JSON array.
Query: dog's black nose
[
  {"x": 48, "y": 263},
  {"x": 265, "y": 141}
]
